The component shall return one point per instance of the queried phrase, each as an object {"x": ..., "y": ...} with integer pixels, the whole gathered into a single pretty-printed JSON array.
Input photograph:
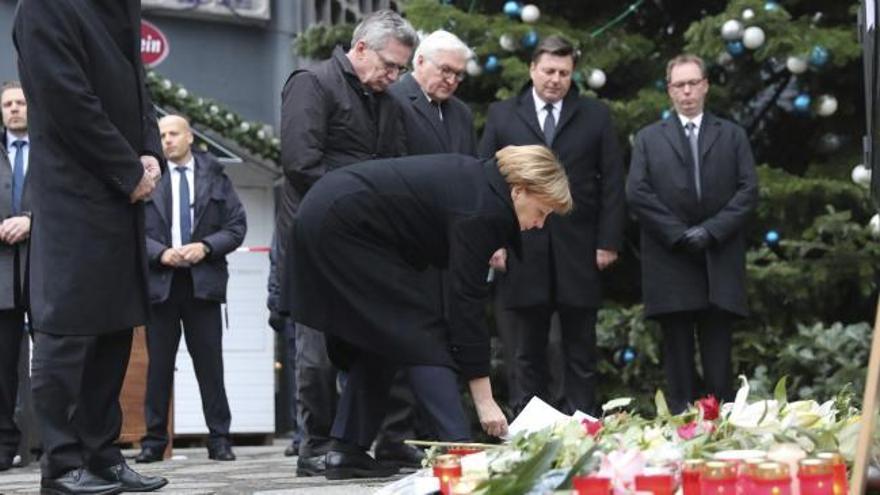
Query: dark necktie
[
  {"x": 693, "y": 141},
  {"x": 438, "y": 109},
  {"x": 185, "y": 220},
  {"x": 549, "y": 125},
  {"x": 18, "y": 175}
]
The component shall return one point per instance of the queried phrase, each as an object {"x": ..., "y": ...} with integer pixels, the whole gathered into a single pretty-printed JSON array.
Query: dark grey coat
[
  {"x": 661, "y": 193},
  {"x": 89, "y": 119},
  {"x": 426, "y": 134},
  {"x": 365, "y": 234},
  {"x": 328, "y": 120},
  {"x": 586, "y": 144},
  {"x": 7, "y": 252},
  {"x": 219, "y": 221}
]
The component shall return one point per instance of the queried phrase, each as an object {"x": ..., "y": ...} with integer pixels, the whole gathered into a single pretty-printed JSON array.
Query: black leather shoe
[
  {"x": 400, "y": 455},
  {"x": 221, "y": 452},
  {"x": 131, "y": 480},
  {"x": 310, "y": 466},
  {"x": 149, "y": 454},
  {"x": 347, "y": 465},
  {"x": 79, "y": 481}
]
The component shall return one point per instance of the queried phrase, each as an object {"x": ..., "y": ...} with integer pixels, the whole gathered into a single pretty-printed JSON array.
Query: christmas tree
[{"x": 790, "y": 73}]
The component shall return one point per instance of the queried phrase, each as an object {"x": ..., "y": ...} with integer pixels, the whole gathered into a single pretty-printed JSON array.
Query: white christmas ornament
[
  {"x": 473, "y": 68},
  {"x": 507, "y": 42},
  {"x": 827, "y": 105},
  {"x": 530, "y": 14},
  {"x": 596, "y": 79},
  {"x": 748, "y": 14},
  {"x": 732, "y": 30},
  {"x": 874, "y": 225},
  {"x": 796, "y": 65},
  {"x": 753, "y": 37},
  {"x": 724, "y": 58},
  {"x": 861, "y": 175}
]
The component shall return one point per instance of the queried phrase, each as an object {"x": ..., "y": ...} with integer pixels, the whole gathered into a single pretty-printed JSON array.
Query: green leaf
[
  {"x": 576, "y": 468},
  {"x": 780, "y": 393},
  {"x": 660, "y": 403}
]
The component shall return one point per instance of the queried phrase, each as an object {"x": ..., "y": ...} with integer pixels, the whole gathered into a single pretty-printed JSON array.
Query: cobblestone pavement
[{"x": 259, "y": 470}]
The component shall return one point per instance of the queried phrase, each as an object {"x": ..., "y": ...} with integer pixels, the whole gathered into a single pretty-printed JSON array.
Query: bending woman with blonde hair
[{"x": 361, "y": 237}]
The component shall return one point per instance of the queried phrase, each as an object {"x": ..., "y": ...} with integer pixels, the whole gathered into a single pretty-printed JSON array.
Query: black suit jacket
[
  {"x": 426, "y": 134},
  {"x": 662, "y": 194},
  {"x": 89, "y": 119},
  {"x": 218, "y": 220},
  {"x": 365, "y": 232},
  {"x": 559, "y": 261}
]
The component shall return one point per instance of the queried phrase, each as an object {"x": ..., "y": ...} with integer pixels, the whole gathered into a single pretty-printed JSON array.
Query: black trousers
[
  {"x": 76, "y": 382},
  {"x": 316, "y": 395},
  {"x": 11, "y": 336},
  {"x": 203, "y": 331},
  {"x": 362, "y": 405},
  {"x": 713, "y": 329},
  {"x": 531, "y": 328}
]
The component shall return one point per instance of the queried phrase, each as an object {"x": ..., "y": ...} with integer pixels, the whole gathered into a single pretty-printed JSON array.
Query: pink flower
[
  {"x": 709, "y": 406},
  {"x": 687, "y": 431},
  {"x": 591, "y": 427}
]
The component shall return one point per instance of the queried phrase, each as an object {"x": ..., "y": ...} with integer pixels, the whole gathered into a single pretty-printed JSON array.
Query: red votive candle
[
  {"x": 746, "y": 475},
  {"x": 816, "y": 477},
  {"x": 838, "y": 471},
  {"x": 690, "y": 476},
  {"x": 658, "y": 483},
  {"x": 447, "y": 468},
  {"x": 462, "y": 451},
  {"x": 770, "y": 478},
  {"x": 591, "y": 485},
  {"x": 718, "y": 478}
]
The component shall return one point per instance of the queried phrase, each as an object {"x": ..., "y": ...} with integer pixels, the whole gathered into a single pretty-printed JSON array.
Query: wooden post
[{"x": 869, "y": 411}]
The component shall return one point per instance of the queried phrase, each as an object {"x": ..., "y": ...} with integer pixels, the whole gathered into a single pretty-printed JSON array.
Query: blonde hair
[
  {"x": 685, "y": 58},
  {"x": 536, "y": 169}
]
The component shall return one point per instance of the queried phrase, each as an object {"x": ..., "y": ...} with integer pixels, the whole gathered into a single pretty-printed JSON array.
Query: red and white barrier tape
[{"x": 253, "y": 249}]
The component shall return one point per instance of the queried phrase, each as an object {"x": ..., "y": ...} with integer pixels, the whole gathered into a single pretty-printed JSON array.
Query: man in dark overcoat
[
  {"x": 332, "y": 115},
  {"x": 95, "y": 157},
  {"x": 193, "y": 220},
  {"x": 435, "y": 121},
  {"x": 692, "y": 185},
  {"x": 559, "y": 272},
  {"x": 14, "y": 232}
]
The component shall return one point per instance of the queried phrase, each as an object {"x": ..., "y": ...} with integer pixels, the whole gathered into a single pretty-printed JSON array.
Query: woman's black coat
[{"x": 365, "y": 232}]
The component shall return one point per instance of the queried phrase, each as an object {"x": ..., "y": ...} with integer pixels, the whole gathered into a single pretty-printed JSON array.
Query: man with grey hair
[
  {"x": 334, "y": 114},
  {"x": 436, "y": 121}
]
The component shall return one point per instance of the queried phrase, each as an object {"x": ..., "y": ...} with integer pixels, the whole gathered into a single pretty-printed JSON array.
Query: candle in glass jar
[
  {"x": 591, "y": 485},
  {"x": 690, "y": 476},
  {"x": 770, "y": 478},
  {"x": 838, "y": 469},
  {"x": 447, "y": 468},
  {"x": 656, "y": 482},
  {"x": 815, "y": 477},
  {"x": 718, "y": 478},
  {"x": 746, "y": 474}
]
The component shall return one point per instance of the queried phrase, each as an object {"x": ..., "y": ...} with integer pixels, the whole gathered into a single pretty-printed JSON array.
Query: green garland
[{"x": 256, "y": 137}]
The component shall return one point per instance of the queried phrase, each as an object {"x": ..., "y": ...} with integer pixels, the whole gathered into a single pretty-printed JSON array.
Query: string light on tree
[
  {"x": 732, "y": 30},
  {"x": 530, "y": 14},
  {"x": 826, "y": 105},
  {"x": 796, "y": 65},
  {"x": 753, "y": 37},
  {"x": 596, "y": 79},
  {"x": 512, "y": 9}
]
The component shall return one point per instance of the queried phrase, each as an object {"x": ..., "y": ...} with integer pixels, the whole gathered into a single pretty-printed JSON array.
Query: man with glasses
[
  {"x": 559, "y": 269},
  {"x": 334, "y": 114},
  {"x": 692, "y": 185}
]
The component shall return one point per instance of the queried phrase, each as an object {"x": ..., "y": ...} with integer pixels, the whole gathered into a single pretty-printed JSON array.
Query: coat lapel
[
  {"x": 421, "y": 106},
  {"x": 202, "y": 191},
  {"x": 162, "y": 198},
  {"x": 525, "y": 109},
  {"x": 709, "y": 132},
  {"x": 569, "y": 109},
  {"x": 675, "y": 135}
]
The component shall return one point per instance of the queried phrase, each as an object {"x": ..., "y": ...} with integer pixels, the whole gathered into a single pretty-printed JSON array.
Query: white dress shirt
[
  {"x": 698, "y": 120},
  {"x": 175, "y": 197},
  {"x": 12, "y": 150},
  {"x": 542, "y": 112}
]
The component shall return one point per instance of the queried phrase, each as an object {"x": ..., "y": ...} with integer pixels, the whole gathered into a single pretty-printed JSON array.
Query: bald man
[{"x": 193, "y": 219}]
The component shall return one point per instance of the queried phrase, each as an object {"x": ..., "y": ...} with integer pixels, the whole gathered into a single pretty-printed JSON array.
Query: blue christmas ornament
[
  {"x": 530, "y": 40},
  {"x": 492, "y": 64},
  {"x": 771, "y": 238},
  {"x": 625, "y": 355},
  {"x": 512, "y": 9},
  {"x": 819, "y": 56},
  {"x": 802, "y": 102},
  {"x": 771, "y": 6},
  {"x": 735, "y": 48},
  {"x": 666, "y": 114}
]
